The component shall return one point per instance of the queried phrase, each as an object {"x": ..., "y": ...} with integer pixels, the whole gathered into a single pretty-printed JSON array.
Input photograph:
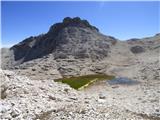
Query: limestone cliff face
[{"x": 73, "y": 37}]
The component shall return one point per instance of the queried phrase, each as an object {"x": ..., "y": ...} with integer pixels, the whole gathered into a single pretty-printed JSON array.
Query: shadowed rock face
[
  {"x": 74, "y": 37},
  {"x": 137, "y": 49}
]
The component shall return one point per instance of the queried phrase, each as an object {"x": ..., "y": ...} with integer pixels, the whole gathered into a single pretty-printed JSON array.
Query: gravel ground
[{"x": 27, "y": 99}]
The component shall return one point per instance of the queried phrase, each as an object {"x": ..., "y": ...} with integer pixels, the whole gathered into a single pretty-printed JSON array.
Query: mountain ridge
[
  {"x": 79, "y": 49},
  {"x": 70, "y": 31}
]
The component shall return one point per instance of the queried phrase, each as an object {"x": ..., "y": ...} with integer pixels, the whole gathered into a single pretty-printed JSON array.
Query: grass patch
[{"x": 80, "y": 82}]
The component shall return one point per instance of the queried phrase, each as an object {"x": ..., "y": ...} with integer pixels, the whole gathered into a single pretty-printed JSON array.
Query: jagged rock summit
[
  {"x": 73, "y": 37},
  {"x": 76, "y": 22}
]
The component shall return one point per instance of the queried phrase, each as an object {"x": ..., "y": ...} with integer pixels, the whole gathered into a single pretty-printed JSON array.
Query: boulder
[{"x": 137, "y": 49}]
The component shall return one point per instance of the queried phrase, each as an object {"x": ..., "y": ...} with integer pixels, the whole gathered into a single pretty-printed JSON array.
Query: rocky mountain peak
[
  {"x": 76, "y": 22},
  {"x": 72, "y": 37}
]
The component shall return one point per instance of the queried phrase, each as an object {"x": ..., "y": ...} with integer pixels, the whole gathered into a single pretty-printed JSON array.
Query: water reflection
[{"x": 122, "y": 81}]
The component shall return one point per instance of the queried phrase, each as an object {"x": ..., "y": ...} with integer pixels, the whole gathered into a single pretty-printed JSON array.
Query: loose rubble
[{"x": 46, "y": 100}]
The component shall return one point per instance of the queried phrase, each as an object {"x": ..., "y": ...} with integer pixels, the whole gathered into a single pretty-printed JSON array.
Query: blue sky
[{"x": 123, "y": 20}]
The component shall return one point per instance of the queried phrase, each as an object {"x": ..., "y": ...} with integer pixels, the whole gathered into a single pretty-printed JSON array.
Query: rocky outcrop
[
  {"x": 76, "y": 22},
  {"x": 137, "y": 49},
  {"x": 73, "y": 36}
]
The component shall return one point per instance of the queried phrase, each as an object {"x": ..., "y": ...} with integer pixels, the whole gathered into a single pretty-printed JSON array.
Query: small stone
[
  {"x": 52, "y": 97},
  {"x": 50, "y": 85},
  {"x": 139, "y": 98},
  {"x": 73, "y": 98},
  {"x": 15, "y": 112},
  {"x": 42, "y": 88},
  {"x": 101, "y": 101},
  {"x": 33, "y": 69},
  {"x": 70, "y": 113},
  {"x": 8, "y": 117},
  {"x": 66, "y": 90},
  {"x": 102, "y": 96},
  {"x": 4, "y": 108},
  {"x": 115, "y": 86},
  {"x": 157, "y": 110},
  {"x": 8, "y": 73},
  {"x": 86, "y": 102},
  {"x": 158, "y": 91},
  {"x": 83, "y": 111}
]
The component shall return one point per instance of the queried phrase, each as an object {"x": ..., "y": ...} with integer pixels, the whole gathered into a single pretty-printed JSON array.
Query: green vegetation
[{"x": 80, "y": 82}]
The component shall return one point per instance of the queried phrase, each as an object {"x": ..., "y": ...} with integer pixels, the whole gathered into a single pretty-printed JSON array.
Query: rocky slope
[
  {"x": 27, "y": 99},
  {"x": 74, "y": 47}
]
